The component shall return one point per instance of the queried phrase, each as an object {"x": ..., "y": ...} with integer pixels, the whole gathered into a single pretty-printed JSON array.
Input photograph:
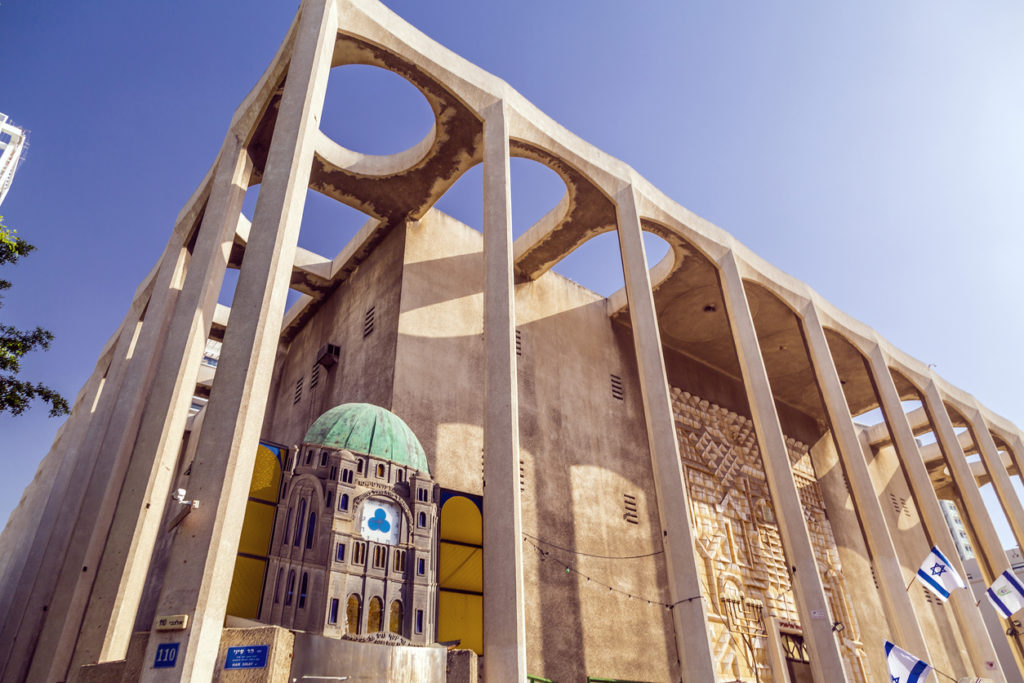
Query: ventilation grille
[
  {"x": 899, "y": 504},
  {"x": 298, "y": 391},
  {"x": 314, "y": 376},
  {"x": 368, "y": 321},
  {"x": 618, "y": 391},
  {"x": 519, "y": 343},
  {"x": 522, "y": 477},
  {"x": 629, "y": 503},
  {"x": 931, "y": 597}
]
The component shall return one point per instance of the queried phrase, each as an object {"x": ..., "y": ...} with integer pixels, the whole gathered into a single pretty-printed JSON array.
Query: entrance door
[{"x": 798, "y": 661}]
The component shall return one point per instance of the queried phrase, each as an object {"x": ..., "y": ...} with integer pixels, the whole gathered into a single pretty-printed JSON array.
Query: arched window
[
  {"x": 399, "y": 476},
  {"x": 277, "y": 585},
  {"x": 299, "y": 518},
  {"x": 359, "y": 466},
  {"x": 422, "y": 520},
  {"x": 380, "y": 471},
  {"x": 323, "y": 459},
  {"x": 330, "y": 499},
  {"x": 287, "y": 526},
  {"x": 302, "y": 589},
  {"x": 311, "y": 530},
  {"x": 395, "y": 622},
  {"x": 352, "y": 614},
  {"x": 374, "y": 615},
  {"x": 343, "y": 502},
  {"x": 309, "y": 457},
  {"x": 291, "y": 588}
]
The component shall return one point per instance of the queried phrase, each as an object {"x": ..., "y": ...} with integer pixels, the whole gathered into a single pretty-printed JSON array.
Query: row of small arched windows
[
  {"x": 346, "y": 475},
  {"x": 374, "y": 617}
]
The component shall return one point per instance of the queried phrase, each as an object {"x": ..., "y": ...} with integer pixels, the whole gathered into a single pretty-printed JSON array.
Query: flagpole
[{"x": 911, "y": 582}]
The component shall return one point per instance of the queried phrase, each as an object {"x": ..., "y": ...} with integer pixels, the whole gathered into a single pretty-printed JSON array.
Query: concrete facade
[{"x": 665, "y": 484}]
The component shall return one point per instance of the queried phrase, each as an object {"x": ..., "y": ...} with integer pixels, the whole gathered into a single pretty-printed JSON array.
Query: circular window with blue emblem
[{"x": 381, "y": 521}]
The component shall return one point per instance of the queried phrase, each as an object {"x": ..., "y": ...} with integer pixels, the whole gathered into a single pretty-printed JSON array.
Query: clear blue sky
[{"x": 874, "y": 150}]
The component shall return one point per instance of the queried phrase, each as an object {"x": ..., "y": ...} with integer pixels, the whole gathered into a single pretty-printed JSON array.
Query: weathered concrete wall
[
  {"x": 365, "y": 370},
  {"x": 582, "y": 450},
  {"x": 319, "y": 656}
]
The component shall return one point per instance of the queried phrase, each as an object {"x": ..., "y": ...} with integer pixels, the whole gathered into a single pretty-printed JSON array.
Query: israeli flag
[
  {"x": 938, "y": 574},
  {"x": 905, "y": 667},
  {"x": 1007, "y": 594}
]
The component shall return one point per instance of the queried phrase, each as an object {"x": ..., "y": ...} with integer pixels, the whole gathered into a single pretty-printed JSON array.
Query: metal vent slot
[
  {"x": 631, "y": 514},
  {"x": 368, "y": 321},
  {"x": 618, "y": 391},
  {"x": 298, "y": 391},
  {"x": 519, "y": 343},
  {"x": 314, "y": 376}
]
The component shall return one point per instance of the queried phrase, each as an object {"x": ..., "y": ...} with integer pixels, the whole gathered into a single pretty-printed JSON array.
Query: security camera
[{"x": 179, "y": 495}]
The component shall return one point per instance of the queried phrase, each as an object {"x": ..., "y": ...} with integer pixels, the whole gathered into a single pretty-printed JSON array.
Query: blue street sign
[{"x": 246, "y": 657}]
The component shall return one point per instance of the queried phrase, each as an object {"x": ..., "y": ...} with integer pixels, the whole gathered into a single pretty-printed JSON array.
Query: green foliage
[{"x": 16, "y": 394}]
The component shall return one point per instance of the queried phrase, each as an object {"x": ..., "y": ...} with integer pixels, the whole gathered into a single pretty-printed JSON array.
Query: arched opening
[
  {"x": 353, "y": 613},
  {"x": 374, "y": 111},
  {"x": 460, "y": 572},
  {"x": 535, "y": 190},
  {"x": 374, "y": 615},
  {"x": 396, "y": 617},
  {"x": 597, "y": 264}
]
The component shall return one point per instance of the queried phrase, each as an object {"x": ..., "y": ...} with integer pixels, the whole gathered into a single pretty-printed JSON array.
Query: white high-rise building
[{"x": 12, "y": 149}]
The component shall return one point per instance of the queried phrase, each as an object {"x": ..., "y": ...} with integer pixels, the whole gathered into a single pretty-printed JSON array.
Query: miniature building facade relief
[{"x": 743, "y": 570}]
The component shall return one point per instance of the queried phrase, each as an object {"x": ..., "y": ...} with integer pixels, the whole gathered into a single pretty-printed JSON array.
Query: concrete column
[
  {"x": 688, "y": 612},
  {"x": 811, "y": 602},
  {"x": 991, "y": 558},
  {"x": 97, "y": 473},
  {"x": 972, "y": 628},
  {"x": 504, "y": 621},
  {"x": 997, "y": 472},
  {"x": 21, "y": 557},
  {"x": 899, "y": 610},
  {"x": 114, "y": 600},
  {"x": 202, "y": 555},
  {"x": 56, "y": 468}
]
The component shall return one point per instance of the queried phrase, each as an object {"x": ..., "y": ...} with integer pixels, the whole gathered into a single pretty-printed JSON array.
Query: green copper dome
[{"x": 370, "y": 430}]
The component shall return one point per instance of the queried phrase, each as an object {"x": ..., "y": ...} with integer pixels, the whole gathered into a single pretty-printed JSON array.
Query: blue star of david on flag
[
  {"x": 379, "y": 521},
  {"x": 905, "y": 667},
  {"x": 938, "y": 575}
]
